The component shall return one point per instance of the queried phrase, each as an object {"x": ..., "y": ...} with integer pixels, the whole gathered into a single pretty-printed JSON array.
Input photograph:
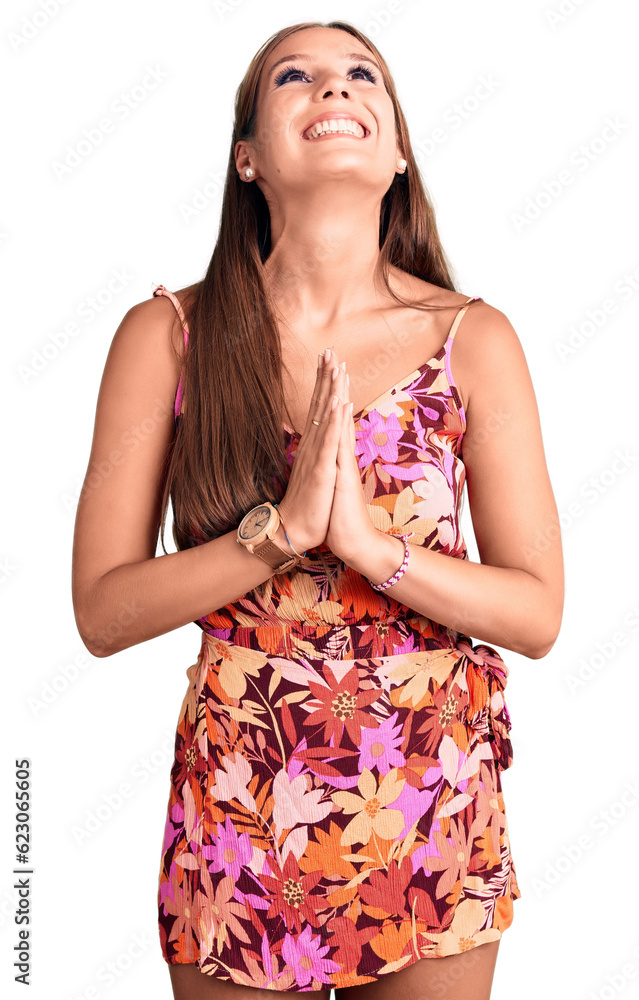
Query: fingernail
[
  {"x": 327, "y": 354},
  {"x": 348, "y": 380},
  {"x": 320, "y": 359},
  {"x": 343, "y": 366},
  {"x": 335, "y": 372}
]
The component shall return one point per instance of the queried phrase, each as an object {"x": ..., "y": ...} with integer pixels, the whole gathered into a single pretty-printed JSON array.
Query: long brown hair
[{"x": 228, "y": 453}]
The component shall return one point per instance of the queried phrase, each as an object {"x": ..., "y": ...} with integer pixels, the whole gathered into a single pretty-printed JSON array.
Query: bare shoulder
[
  {"x": 487, "y": 353},
  {"x": 480, "y": 314},
  {"x": 486, "y": 349},
  {"x": 155, "y": 323}
]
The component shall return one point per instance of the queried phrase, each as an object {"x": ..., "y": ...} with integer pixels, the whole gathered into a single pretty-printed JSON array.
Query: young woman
[{"x": 312, "y": 409}]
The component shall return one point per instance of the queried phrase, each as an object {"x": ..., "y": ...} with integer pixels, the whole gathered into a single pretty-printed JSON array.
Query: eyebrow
[{"x": 304, "y": 55}]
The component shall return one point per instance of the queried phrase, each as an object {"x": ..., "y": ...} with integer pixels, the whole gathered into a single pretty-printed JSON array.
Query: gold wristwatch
[{"x": 256, "y": 531}]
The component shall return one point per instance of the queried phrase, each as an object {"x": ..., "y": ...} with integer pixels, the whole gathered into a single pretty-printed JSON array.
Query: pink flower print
[
  {"x": 379, "y": 747},
  {"x": 423, "y": 431},
  {"x": 409, "y": 645},
  {"x": 413, "y": 805},
  {"x": 430, "y": 413},
  {"x": 266, "y": 956},
  {"x": 170, "y": 885},
  {"x": 306, "y": 958},
  {"x": 295, "y": 764},
  {"x": 377, "y": 436},
  {"x": 228, "y": 852},
  {"x": 431, "y": 775},
  {"x": 172, "y": 826}
]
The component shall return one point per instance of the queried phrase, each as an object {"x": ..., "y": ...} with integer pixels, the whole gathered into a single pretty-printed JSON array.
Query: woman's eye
[
  {"x": 367, "y": 72},
  {"x": 292, "y": 71},
  {"x": 286, "y": 74}
]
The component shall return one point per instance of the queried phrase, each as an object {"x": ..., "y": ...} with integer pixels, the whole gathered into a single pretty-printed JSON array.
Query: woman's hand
[
  {"x": 306, "y": 506},
  {"x": 350, "y": 528}
]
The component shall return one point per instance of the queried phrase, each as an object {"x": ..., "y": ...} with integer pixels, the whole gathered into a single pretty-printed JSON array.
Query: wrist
[
  {"x": 287, "y": 536},
  {"x": 281, "y": 542},
  {"x": 379, "y": 556},
  {"x": 399, "y": 572}
]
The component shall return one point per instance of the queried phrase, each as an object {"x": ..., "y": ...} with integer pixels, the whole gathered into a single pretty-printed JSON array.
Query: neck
[{"x": 323, "y": 268}]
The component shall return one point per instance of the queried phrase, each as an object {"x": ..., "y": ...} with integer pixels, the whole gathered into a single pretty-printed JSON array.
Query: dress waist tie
[{"x": 487, "y": 675}]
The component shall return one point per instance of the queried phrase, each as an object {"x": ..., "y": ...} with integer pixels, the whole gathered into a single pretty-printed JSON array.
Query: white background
[{"x": 557, "y": 79}]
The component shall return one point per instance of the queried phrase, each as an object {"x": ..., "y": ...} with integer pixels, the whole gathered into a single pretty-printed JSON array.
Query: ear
[{"x": 244, "y": 157}]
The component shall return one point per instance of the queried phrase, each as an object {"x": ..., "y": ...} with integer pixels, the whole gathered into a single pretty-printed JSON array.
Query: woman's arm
[
  {"x": 122, "y": 592},
  {"x": 514, "y": 596}
]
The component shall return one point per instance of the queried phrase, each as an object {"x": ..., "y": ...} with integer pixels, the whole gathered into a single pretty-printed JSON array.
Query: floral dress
[{"x": 335, "y": 808}]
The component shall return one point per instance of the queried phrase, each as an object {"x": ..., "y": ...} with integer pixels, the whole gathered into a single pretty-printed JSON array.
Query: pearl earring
[
  {"x": 401, "y": 163},
  {"x": 249, "y": 172}
]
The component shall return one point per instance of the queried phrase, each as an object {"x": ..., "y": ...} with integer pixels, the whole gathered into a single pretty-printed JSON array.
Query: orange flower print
[
  {"x": 452, "y": 858},
  {"x": 341, "y": 706},
  {"x": 290, "y": 893}
]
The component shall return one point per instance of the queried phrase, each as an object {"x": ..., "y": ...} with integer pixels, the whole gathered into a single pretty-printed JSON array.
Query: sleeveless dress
[{"x": 335, "y": 809}]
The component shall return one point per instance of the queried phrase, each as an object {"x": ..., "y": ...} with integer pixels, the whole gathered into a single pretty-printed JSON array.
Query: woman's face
[{"x": 335, "y": 76}]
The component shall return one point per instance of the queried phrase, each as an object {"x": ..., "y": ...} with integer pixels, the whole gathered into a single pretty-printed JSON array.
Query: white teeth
[{"x": 347, "y": 125}]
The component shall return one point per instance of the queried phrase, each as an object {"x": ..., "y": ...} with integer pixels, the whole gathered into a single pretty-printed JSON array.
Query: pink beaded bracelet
[{"x": 402, "y": 569}]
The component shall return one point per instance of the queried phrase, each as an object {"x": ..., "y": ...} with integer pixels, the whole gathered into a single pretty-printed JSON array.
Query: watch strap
[{"x": 275, "y": 556}]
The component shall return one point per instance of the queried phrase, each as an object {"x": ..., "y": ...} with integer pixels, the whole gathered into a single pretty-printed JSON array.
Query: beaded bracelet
[
  {"x": 402, "y": 569},
  {"x": 287, "y": 538}
]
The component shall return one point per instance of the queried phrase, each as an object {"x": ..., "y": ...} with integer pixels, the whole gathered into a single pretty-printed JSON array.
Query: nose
[{"x": 338, "y": 85}]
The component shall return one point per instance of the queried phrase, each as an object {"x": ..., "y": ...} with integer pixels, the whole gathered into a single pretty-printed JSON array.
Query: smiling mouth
[{"x": 332, "y": 127}]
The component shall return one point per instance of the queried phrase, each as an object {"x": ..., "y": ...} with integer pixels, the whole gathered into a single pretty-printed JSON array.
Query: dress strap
[
  {"x": 449, "y": 345},
  {"x": 161, "y": 290},
  {"x": 459, "y": 317}
]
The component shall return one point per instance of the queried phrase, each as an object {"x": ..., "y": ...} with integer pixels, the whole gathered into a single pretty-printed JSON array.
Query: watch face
[{"x": 255, "y": 522}]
